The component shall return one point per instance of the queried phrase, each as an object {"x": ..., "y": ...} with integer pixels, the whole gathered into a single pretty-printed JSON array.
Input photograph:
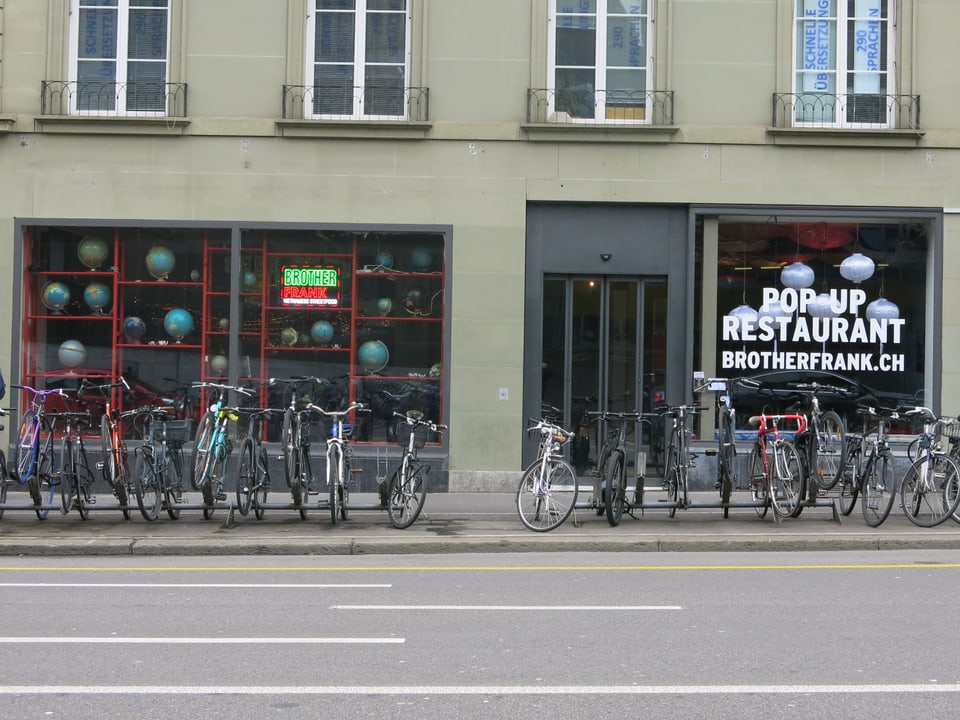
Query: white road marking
[
  {"x": 287, "y": 586},
  {"x": 535, "y": 608},
  {"x": 200, "y": 641},
  {"x": 478, "y": 690}
]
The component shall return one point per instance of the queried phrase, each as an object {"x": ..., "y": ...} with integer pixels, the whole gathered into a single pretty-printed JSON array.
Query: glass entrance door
[{"x": 604, "y": 348}]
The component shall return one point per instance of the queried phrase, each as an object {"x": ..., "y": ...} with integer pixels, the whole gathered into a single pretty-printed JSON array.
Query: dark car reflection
[{"x": 783, "y": 391}]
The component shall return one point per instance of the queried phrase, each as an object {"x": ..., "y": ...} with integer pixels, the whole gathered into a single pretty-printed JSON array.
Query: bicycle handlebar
[
  {"x": 358, "y": 406},
  {"x": 220, "y": 386},
  {"x": 419, "y": 421}
]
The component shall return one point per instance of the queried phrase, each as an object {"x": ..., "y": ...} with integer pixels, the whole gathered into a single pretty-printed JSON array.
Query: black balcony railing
[
  {"x": 345, "y": 102},
  {"x": 111, "y": 99},
  {"x": 606, "y": 107},
  {"x": 854, "y": 111}
]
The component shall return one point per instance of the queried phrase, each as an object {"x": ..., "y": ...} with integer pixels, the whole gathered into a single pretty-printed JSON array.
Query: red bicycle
[{"x": 776, "y": 474}]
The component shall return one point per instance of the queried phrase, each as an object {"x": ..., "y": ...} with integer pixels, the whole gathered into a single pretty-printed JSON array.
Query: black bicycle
[
  {"x": 76, "y": 477},
  {"x": 158, "y": 474},
  {"x": 253, "y": 481},
  {"x": 407, "y": 489}
]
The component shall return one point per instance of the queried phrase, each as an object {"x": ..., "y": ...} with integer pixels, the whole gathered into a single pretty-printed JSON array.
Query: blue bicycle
[{"x": 34, "y": 460}]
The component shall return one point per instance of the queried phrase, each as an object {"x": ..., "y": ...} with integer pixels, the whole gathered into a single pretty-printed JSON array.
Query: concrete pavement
[{"x": 451, "y": 523}]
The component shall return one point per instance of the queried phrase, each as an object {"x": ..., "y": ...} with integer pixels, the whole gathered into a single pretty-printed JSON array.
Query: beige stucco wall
[{"x": 477, "y": 167}]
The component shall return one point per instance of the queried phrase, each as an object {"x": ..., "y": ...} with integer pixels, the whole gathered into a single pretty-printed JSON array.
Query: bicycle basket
[
  {"x": 180, "y": 431},
  {"x": 421, "y": 433}
]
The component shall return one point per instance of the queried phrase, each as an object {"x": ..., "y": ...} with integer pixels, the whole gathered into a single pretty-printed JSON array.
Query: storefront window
[
  {"x": 841, "y": 303},
  {"x": 168, "y": 306}
]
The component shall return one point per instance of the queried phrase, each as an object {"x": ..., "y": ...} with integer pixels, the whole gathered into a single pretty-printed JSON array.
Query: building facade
[{"x": 476, "y": 210}]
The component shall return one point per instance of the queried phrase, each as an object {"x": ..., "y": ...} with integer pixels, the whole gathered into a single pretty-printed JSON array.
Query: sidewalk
[{"x": 451, "y": 523}]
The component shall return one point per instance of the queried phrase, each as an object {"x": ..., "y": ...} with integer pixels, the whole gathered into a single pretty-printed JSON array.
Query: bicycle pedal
[{"x": 221, "y": 496}]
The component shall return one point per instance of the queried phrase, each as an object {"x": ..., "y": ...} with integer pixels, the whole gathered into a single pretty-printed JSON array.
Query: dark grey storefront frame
[{"x": 646, "y": 241}]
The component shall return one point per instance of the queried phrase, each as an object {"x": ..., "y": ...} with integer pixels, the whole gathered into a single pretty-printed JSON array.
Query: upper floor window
[
  {"x": 358, "y": 59},
  {"x": 600, "y": 59},
  {"x": 119, "y": 56},
  {"x": 844, "y": 54}
]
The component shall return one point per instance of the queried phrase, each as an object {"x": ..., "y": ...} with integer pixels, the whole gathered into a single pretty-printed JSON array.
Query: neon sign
[{"x": 310, "y": 286}]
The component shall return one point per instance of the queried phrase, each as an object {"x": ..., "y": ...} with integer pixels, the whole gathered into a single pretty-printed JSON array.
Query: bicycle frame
[
  {"x": 35, "y": 461},
  {"x": 547, "y": 493},
  {"x": 338, "y": 456},
  {"x": 770, "y": 445}
]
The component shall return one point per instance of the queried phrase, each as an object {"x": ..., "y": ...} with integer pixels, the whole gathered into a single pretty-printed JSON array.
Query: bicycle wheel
[
  {"x": 25, "y": 459},
  {"x": 757, "y": 481},
  {"x": 929, "y": 491},
  {"x": 879, "y": 490},
  {"x": 43, "y": 487},
  {"x": 262, "y": 486},
  {"x": 306, "y": 477},
  {"x": 672, "y": 482},
  {"x": 246, "y": 477},
  {"x": 172, "y": 482},
  {"x": 146, "y": 487},
  {"x": 616, "y": 489},
  {"x": 546, "y": 495},
  {"x": 201, "y": 449},
  {"x": 334, "y": 481},
  {"x": 68, "y": 475},
  {"x": 214, "y": 472},
  {"x": 406, "y": 494},
  {"x": 850, "y": 480},
  {"x": 4, "y": 482},
  {"x": 289, "y": 445},
  {"x": 726, "y": 457},
  {"x": 830, "y": 446},
  {"x": 787, "y": 483}
]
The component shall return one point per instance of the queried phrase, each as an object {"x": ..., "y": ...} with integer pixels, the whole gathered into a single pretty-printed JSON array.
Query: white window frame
[
  {"x": 359, "y": 63},
  {"x": 806, "y": 92},
  {"x": 561, "y": 11},
  {"x": 120, "y": 109}
]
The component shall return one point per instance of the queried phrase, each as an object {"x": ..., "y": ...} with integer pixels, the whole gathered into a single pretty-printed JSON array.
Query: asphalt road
[{"x": 572, "y": 635}]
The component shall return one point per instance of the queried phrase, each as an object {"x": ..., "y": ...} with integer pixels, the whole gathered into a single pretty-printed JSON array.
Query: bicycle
[
  {"x": 34, "y": 459},
  {"x": 610, "y": 480},
  {"x": 114, "y": 466},
  {"x": 407, "y": 490},
  {"x": 253, "y": 481},
  {"x": 548, "y": 488},
  {"x": 679, "y": 459},
  {"x": 726, "y": 451},
  {"x": 295, "y": 441},
  {"x": 339, "y": 457},
  {"x": 76, "y": 479},
  {"x": 930, "y": 490},
  {"x": 861, "y": 477},
  {"x": 158, "y": 473},
  {"x": 776, "y": 477},
  {"x": 821, "y": 447},
  {"x": 4, "y": 474},
  {"x": 212, "y": 447}
]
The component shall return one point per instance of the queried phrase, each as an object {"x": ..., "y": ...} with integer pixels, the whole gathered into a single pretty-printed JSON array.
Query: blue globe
[
  {"x": 134, "y": 328},
  {"x": 97, "y": 296},
  {"x": 55, "y": 295},
  {"x": 178, "y": 323},
  {"x": 249, "y": 281},
  {"x": 160, "y": 262},
  {"x": 421, "y": 258},
  {"x": 72, "y": 353},
  {"x": 373, "y": 356},
  {"x": 321, "y": 332},
  {"x": 92, "y": 251},
  {"x": 385, "y": 259},
  {"x": 384, "y": 306}
]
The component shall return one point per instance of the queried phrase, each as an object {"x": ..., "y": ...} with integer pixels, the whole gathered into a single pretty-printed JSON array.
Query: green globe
[
  {"x": 93, "y": 251},
  {"x": 289, "y": 337}
]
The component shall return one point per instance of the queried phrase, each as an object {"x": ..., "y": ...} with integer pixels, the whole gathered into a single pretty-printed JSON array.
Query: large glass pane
[
  {"x": 577, "y": 44},
  {"x": 386, "y": 37},
  {"x": 146, "y": 87},
  {"x": 554, "y": 346},
  {"x": 333, "y": 90},
  {"x": 621, "y": 353},
  {"x": 575, "y": 93},
  {"x": 627, "y": 42},
  {"x": 96, "y": 85},
  {"x": 384, "y": 91},
  {"x": 147, "y": 35},
  {"x": 98, "y": 34},
  {"x": 334, "y": 37}
]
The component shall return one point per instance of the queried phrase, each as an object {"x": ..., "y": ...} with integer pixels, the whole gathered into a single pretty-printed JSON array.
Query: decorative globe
[
  {"x": 373, "y": 356},
  {"x": 249, "y": 281},
  {"x": 160, "y": 262},
  {"x": 195, "y": 275},
  {"x": 178, "y": 323},
  {"x": 134, "y": 328},
  {"x": 97, "y": 296},
  {"x": 385, "y": 259},
  {"x": 72, "y": 353},
  {"x": 384, "y": 306},
  {"x": 289, "y": 336},
  {"x": 92, "y": 251},
  {"x": 421, "y": 258},
  {"x": 321, "y": 332},
  {"x": 55, "y": 295},
  {"x": 413, "y": 300},
  {"x": 218, "y": 364}
]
